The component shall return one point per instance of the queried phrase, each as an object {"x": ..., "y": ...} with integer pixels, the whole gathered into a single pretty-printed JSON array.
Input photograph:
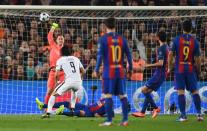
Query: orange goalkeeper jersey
[{"x": 54, "y": 50}]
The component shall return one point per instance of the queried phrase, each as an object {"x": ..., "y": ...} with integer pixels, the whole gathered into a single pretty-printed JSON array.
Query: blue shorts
[
  {"x": 88, "y": 113},
  {"x": 116, "y": 86},
  {"x": 79, "y": 106},
  {"x": 186, "y": 81},
  {"x": 156, "y": 80}
]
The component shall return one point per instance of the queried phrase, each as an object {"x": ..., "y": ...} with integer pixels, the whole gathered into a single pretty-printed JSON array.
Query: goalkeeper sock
[
  {"x": 47, "y": 97},
  {"x": 51, "y": 102},
  {"x": 124, "y": 109},
  {"x": 197, "y": 103},
  {"x": 108, "y": 109},
  {"x": 182, "y": 103}
]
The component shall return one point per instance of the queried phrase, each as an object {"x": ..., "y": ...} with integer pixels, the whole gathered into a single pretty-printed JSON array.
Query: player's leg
[
  {"x": 148, "y": 100},
  {"x": 107, "y": 90},
  {"x": 59, "y": 90},
  {"x": 182, "y": 105},
  {"x": 144, "y": 107},
  {"x": 42, "y": 106},
  {"x": 192, "y": 87},
  {"x": 180, "y": 86},
  {"x": 121, "y": 91},
  {"x": 73, "y": 99},
  {"x": 125, "y": 112},
  {"x": 74, "y": 87},
  {"x": 153, "y": 83},
  {"x": 50, "y": 86}
]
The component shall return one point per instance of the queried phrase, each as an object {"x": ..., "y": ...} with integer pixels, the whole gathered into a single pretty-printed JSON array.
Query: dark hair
[
  {"x": 110, "y": 23},
  {"x": 162, "y": 36},
  {"x": 187, "y": 26},
  {"x": 66, "y": 51}
]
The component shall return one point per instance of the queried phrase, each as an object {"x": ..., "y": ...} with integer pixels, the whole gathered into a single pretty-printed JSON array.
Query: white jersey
[{"x": 71, "y": 66}]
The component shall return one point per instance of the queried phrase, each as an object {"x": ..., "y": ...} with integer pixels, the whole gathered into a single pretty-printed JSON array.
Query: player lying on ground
[
  {"x": 94, "y": 110},
  {"x": 154, "y": 83},
  {"x": 81, "y": 110}
]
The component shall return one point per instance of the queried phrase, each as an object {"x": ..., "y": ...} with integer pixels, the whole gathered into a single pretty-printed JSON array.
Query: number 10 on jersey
[{"x": 116, "y": 53}]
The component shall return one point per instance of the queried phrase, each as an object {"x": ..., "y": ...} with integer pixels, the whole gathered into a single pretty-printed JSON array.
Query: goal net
[{"x": 24, "y": 51}]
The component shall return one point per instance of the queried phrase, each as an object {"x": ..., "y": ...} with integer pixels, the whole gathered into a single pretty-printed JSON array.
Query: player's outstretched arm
[
  {"x": 159, "y": 63},
  {"x": 50, "y": 34}
]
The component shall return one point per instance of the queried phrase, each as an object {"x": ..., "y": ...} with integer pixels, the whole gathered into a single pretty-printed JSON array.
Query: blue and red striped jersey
[
  {"x": 111, "y": 49},
  {"x": 98, "y": 107},
  {"x": 186, "y": 47}
]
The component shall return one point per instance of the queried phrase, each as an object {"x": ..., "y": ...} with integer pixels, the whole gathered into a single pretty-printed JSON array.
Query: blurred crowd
[
  {"x": 24, "y": 50},
  {"x": 108, "y": 2}
]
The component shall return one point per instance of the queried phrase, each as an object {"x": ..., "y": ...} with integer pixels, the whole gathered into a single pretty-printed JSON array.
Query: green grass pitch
[{"x": 63, "y": 123}]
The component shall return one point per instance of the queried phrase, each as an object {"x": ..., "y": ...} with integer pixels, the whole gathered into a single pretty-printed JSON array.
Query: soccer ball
[{"x": 44, "y": 17}]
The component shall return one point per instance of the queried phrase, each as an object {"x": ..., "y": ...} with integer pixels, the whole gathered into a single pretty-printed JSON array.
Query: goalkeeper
[{"x": 55, "y": 47}]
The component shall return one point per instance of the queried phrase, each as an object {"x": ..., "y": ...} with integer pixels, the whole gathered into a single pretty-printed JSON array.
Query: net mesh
[{"x": 24, "y": 52}]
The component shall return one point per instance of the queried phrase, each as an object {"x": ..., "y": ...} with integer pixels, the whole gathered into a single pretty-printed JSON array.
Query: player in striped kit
[
  {"x": 154, "y": 83},
  {"x": 111, "y": 49},
  {"x": 187, "y": 64}
]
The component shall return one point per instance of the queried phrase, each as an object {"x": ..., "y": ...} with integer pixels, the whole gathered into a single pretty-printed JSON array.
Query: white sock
[
  {"x": 51, "y": 103},
  {"x": 73, "y": 99}
]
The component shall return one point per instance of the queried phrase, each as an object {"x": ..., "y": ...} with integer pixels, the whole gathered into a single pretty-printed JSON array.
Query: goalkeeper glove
[{"x": 54, "y": 25}]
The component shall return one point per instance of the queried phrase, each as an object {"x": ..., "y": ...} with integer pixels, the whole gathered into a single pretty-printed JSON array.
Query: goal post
[{"x": 23, "y": 35}]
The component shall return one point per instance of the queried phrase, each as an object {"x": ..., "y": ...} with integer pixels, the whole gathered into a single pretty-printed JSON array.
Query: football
[{"x": 44, "y": 17}]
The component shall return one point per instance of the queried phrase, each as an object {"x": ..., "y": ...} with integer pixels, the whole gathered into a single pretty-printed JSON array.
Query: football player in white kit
[{"x": 73, "y": 70}]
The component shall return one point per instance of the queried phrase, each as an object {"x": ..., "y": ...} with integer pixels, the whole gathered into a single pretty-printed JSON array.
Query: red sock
[{"x": 47, "y": 97}]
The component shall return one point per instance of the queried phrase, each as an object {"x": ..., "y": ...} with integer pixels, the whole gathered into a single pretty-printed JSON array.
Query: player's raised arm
[{"x": 50, "y": 34}]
